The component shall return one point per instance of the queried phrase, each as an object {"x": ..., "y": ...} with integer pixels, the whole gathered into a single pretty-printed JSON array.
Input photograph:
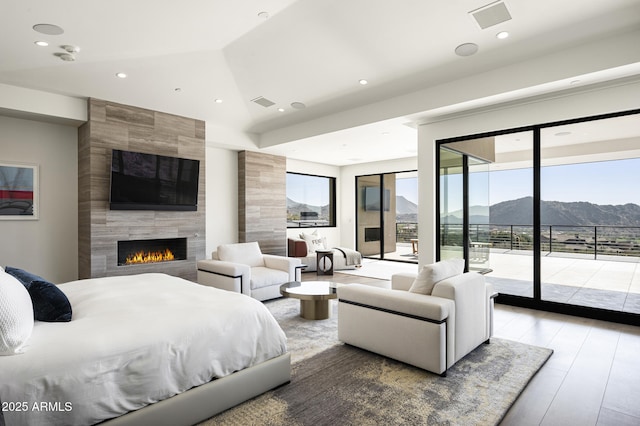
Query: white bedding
[{"x": 132, "y": 341}]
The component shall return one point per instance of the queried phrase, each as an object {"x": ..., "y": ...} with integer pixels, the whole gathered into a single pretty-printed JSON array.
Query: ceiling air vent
[
  {"x": 491, "y": 14},
  {"x": 263, "y": 101}
]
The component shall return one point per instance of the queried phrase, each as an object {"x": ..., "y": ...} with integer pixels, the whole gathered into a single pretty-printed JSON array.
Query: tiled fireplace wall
[{"x": 115, "y": 126}]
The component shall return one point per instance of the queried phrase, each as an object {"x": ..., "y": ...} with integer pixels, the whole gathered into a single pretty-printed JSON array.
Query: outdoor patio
[{"x": 610, "y": 283}]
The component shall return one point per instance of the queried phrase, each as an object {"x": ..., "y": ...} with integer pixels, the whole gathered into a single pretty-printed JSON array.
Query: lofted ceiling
[{"x": 180, "y": 57}]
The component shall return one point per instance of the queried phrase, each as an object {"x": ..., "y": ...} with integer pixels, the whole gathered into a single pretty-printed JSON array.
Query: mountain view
[
  {"x": 520, "y": 212},
  {"x": 294, "y": 210}
]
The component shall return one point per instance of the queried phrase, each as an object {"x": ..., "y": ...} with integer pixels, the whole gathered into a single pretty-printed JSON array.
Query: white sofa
[
  {"x": 430, "y": 331},
  {"x": 243, "y": 268}
]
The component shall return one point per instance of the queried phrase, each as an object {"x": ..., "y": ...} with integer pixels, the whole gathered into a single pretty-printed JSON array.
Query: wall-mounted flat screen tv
[
  {"x": 153, "y": 182},
  {"x": 372, "y": 199}
]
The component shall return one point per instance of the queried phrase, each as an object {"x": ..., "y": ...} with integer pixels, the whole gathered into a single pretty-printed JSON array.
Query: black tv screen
[
  {"x": 372, "y": 199},
  {"x": 153, "y": 182}
]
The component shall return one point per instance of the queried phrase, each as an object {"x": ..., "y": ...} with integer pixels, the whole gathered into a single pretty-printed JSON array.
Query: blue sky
[
  {"x": 312, "y": 190},
  {"x": 408, "y": 188},
  {"x": 607, "y": 182}
]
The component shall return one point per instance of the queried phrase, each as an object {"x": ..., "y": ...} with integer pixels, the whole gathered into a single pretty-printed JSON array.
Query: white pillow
[
  {"x": 432, "y": 274},
  {"x": 314, "y": 242},
  {"x": 16, "y": 315}
]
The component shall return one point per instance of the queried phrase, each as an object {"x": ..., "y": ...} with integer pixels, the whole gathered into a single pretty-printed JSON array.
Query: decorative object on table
[
  {"x": 18, "y": 191},
  {"x": 324, "y": 260}
]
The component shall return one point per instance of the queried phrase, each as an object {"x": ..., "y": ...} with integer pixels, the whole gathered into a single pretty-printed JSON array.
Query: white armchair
[
  {"x": 430, "y": 331},
  {"x": 243, "y": 268}
]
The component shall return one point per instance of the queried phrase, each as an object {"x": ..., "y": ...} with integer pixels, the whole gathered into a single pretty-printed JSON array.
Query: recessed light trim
[
  {"x": 121, "y": 75},
  {"x": 48, "y": 29},
  {"x": 218, "y": 101},
  {"x": 67, "y": 57},
  {"x": 565, "y": 133},
  {"x": 298, "y": 105},
  {"x": 466, "y": 49},
  {"x": 280, "y": 109},
  {"x": 502, "y": 35},
  {"x": 363, "y": 82},
  {"x": 263, "y": 15},
  {"x": 41, "y": 43}
]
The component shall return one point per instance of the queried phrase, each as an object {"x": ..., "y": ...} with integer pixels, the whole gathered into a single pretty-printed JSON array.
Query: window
[{"x": 311, "y": 201}]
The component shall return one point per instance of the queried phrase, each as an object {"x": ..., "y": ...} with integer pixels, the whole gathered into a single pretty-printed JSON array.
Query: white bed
[{"x": 134, "y": 341}]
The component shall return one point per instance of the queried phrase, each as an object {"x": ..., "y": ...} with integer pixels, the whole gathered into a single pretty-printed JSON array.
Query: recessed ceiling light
[
  {"x": 298, "y": 105},
  {"x": 70, "y": 48},
  {"x": 502, "y": 35},
  {"x": 67, "y": 57},
  {"x": 466, "y": 49},
  {"x": 121, "y": 75},
  {"x": 363, "y": 82},
  {"x": 562, "y": 134},
  {"x": 48, "y": 29},
  {"x": 575, "y": 82},
  {"x": 263, "y": 15},
  {"x": 280, "y": 109},
  {"x": 177, "y": 89},
  {"x": 41, "y": 43},
  {"x": 218, "y": 101}
]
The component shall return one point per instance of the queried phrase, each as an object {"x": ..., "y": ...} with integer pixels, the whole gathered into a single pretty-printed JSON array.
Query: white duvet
[{"x": 132, "y": 341}]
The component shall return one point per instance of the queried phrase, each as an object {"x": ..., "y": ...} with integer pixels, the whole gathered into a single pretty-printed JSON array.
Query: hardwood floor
[{"x": 592, "y": 378}]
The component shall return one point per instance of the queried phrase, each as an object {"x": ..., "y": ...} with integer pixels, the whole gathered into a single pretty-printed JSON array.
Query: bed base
[{"x": 205, "y": 401}]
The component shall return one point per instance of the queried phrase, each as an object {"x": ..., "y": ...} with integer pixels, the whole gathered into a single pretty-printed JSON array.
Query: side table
[{"x": 324, "y": 259}]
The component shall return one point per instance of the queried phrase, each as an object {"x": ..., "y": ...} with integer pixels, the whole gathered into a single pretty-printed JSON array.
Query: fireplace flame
[{"x": 149, "y": 257}]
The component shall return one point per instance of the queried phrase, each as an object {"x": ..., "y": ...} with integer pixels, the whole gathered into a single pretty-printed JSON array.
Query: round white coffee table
[{"x": 314, "y": 297}]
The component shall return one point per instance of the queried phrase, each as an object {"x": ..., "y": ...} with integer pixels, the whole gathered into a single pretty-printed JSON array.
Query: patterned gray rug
[{"x": 334, "y": 383}]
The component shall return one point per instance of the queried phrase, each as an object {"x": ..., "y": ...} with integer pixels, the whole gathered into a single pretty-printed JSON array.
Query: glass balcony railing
[{"x": 592, "y": 240}]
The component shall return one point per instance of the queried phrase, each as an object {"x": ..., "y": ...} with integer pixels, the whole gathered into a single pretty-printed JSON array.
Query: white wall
[
  {"x": 347, "y": 184},
  {"x": 598, "y": 101},
  {"x": 222, "y": 198},
  {"x": 47, "y": 246}
]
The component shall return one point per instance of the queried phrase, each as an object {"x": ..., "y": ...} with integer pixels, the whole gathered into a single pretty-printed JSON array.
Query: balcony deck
[{"x": 610, "y": 282}]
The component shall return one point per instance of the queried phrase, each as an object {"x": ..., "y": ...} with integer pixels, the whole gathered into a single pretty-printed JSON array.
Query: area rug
[
  {"x": 333, "y": 383},
  {"x": 381, "y": 269}
]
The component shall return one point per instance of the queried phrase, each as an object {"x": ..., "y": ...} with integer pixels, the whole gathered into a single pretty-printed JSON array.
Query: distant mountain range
[
  {"x": 520, "y": 212},
  {"x": 514, "y": 212}
]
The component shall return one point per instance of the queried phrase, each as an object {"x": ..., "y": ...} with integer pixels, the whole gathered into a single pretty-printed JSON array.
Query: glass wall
[
  {"x": 590, "y": 213},
  {"x": 387, "y": 216},
  {"x": 563, "y": 227}
]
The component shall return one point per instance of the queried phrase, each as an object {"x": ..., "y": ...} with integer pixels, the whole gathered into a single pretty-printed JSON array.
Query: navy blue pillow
[{"x": 50, "y": 304}]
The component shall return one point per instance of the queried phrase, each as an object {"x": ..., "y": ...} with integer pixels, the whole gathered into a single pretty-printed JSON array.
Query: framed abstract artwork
[{"x": 18, "y": 191}]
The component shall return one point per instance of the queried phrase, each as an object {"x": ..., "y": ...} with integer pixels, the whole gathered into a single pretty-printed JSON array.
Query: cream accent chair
[
  {"x": 243, "y": 268},
  {"x": 431, "y": 332}
]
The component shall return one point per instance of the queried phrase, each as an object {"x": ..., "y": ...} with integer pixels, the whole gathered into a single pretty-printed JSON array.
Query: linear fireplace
[{"x": 132, "y": 252}]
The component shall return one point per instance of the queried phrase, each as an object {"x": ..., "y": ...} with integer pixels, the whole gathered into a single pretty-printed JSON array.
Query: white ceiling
[{"x": 313, "y": 52}]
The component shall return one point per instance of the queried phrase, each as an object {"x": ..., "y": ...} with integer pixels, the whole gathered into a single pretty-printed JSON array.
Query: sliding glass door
[
  {"x": 387, "y": 216},
  {"x": 550, "y": 214}
]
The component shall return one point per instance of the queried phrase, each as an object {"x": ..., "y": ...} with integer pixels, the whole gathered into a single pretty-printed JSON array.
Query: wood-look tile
[
  {"x": 610, "y": 417},
  {"x": 532, "y": 404},
  {"x": 579, "y": 398}
]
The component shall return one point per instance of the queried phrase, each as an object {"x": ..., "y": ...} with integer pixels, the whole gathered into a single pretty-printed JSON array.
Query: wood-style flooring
[{"x": 592, "y": 378}]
